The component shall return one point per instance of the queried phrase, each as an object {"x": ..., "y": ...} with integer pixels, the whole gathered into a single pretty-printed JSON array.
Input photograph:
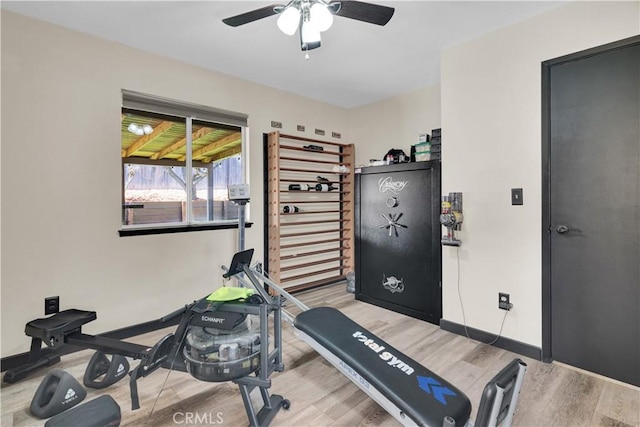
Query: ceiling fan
[{"x": 311, "y": 17}]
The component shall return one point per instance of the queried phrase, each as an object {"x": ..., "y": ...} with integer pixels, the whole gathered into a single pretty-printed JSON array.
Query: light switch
[{"x": 516, "y": 196}]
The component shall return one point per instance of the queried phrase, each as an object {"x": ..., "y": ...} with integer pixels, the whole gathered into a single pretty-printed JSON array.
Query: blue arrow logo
[{"x": 429, "y": 384}]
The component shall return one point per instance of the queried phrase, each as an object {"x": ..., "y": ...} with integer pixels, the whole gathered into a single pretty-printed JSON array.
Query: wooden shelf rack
[{"x": 314, "y": 246}]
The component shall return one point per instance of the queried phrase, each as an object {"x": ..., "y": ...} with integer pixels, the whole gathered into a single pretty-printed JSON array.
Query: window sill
[{"x": 179, "y": 229}]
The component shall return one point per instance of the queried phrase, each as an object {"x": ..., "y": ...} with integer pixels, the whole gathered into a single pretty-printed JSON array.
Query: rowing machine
[{"x": 222, "y": 337}]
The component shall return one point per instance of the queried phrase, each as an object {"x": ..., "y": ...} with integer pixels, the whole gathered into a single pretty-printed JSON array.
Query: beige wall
[
  {"x": 61, "y": 99},
  {"x": 491, "y": 120},
  {"x": 394, "y": 123}
]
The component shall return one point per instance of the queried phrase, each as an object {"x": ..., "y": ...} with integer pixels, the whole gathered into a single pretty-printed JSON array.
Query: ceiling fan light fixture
[
  {"x": 310, "y": 17},
  {"x": 321, "y": 17},
  {"x": 289, "y": 20},
  {"x": 147, "y": 129},
  {"x": 310, "y": 33}
]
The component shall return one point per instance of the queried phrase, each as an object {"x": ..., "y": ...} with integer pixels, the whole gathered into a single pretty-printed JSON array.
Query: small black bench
[{"x": 51, "y": 330}]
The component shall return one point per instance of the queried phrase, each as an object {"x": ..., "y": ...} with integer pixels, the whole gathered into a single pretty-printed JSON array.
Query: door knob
[{"x": 562, "y": 229}]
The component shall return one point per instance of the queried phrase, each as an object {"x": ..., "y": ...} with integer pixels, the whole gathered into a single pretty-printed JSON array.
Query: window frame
[{"x": 188, "y": 112}]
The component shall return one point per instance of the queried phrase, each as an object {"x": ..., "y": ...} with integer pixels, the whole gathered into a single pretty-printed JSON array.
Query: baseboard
[
  {"x": 17, "y": 360},
  {"x": 504, "y": 343}
]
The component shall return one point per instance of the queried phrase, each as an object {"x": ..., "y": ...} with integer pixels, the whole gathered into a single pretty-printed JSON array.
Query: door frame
[{"x": 547, "y": 350}]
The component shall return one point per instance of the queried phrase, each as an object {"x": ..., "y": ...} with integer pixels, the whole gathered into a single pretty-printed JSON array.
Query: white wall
[
  {"x": 61, "y": 100},
  {"x": 394, "y": 123},
  {"x": 491, "y": 121}
]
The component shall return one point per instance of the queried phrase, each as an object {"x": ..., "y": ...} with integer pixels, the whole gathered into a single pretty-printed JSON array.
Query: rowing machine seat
[
  {"x": 406, "y": 389},
  {"x": 51, "y": 330}
]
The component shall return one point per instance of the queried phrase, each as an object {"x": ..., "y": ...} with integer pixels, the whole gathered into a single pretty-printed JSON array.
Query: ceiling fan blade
[
  {"x": 361, "y": 11},
  {"x": 254, "y": 15}
]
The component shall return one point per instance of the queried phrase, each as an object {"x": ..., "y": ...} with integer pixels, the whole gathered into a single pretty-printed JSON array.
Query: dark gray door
[{"x": 594, "y": 204}]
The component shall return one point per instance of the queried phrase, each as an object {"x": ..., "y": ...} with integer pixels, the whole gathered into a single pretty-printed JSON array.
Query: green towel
[{"x": 230, "y": 294}]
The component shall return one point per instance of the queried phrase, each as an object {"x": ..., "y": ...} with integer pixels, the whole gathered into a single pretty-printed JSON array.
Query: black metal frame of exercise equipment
[
  {"x": 65, "y": 328},
  {"x": 499, "y": 398}
]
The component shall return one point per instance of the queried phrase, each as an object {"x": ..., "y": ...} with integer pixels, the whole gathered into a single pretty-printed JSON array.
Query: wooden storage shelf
[
  {"x": 314, "y": 142},
  {"x": 314, "y": 170},
  {"x": 311, "y": 243},
  {"x": 310, "y": 233},
  {"x": 324, "y": 221},
  {"x": 288, "y": 162},
  {"x": 315, "y": 212},
  {"x": 324, "y": 162},
  {"x": 304, "y": 254},
  {"x": 305, "y": 181},
  {"x": 297, "y": 202},
  {"x": 314, "y": 192},
  {"x": 311, "y": 264},
  {"x": 290, "y": 147}
]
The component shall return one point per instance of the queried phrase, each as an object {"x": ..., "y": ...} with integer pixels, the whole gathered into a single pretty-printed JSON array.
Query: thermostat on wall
[{"x": 239, "y": 192}]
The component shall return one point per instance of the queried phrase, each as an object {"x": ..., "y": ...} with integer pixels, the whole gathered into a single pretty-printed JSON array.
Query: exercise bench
[{"x": 407, "y": 390}]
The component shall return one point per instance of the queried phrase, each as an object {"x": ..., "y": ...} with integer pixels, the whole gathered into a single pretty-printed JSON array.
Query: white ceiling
[{"x": 358, "y": 63}]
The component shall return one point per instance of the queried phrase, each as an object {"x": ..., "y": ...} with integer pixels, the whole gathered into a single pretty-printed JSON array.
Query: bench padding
[
  {"x": 100, "y": 412},
  {"x": 421, "y": 394},
  {"x": 59, "y": 324}
]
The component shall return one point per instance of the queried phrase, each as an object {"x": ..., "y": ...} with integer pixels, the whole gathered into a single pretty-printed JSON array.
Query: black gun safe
[{"x": 398, "y": 258}]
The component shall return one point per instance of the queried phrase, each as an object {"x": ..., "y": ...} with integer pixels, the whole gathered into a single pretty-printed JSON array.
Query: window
[{"x": 177, "y": 161}]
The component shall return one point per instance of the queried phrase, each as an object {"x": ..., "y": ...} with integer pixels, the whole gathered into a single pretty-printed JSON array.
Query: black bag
[{"x": 398, "y": 156}]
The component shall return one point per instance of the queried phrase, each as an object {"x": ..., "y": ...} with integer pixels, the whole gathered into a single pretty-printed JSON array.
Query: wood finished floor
[{"x": 552, "y": 394}]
